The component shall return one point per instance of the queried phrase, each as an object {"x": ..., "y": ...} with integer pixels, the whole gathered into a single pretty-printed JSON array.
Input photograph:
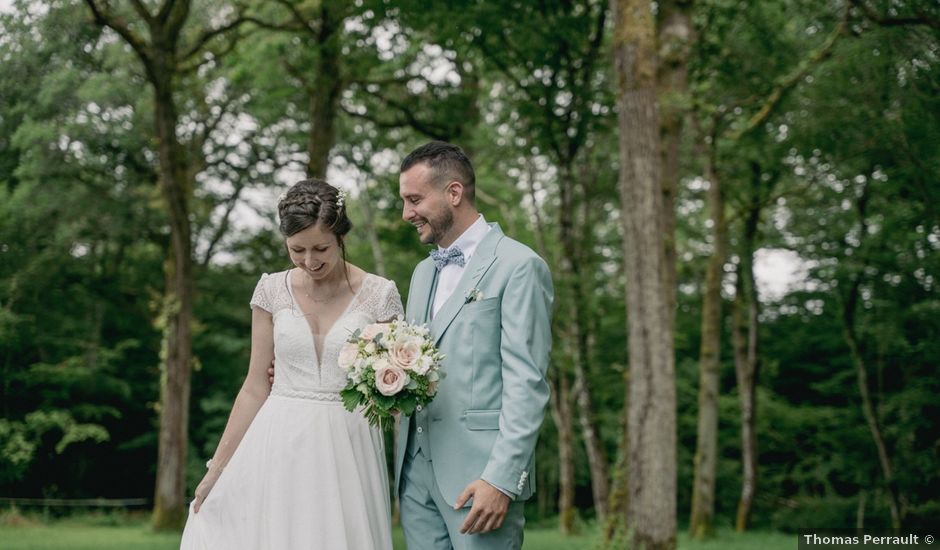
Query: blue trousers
[{"x": 432, "y": 524}]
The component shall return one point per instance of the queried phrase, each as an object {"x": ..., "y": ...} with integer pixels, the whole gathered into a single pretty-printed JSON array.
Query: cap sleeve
[
  {"x": 261, "y": 296},
  {"x": 389, "y": 306}
]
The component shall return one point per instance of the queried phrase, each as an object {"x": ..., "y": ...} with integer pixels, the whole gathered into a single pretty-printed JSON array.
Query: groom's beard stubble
[{"x": 440, "y": 225}]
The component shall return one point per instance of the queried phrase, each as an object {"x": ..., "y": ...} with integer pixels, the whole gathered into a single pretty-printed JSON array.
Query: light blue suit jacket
[{"x": 485, "y": 420}]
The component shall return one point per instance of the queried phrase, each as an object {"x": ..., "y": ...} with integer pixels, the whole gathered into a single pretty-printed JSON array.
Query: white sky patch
[
  {"x": 385, "y": 161},
  {"x": 537, "y": 173},
  {"x": 345, "y": 175},
  {"x": 389, "y": 40},
  {"x": 435, "y": 65},
  {"x": 778, "y": 271}
]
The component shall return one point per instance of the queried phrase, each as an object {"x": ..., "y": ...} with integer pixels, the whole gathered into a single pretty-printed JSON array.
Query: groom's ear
[{"x": 455, "y": 193}]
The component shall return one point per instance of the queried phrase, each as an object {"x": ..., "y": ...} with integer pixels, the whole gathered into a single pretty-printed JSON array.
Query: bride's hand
[{"x": 204, "y": 487}]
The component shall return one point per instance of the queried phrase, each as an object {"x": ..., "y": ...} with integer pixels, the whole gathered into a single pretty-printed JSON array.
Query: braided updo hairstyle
[{"x": 313, "y": 201}]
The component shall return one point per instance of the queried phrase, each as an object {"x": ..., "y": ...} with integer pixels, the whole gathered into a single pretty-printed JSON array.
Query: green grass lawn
[{"x": 72, "y": 535}]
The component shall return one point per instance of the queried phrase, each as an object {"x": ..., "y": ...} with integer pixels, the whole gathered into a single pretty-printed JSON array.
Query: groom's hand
[
  {"x": 488, "y": 511},
  {"x": 271, "y": 373}
]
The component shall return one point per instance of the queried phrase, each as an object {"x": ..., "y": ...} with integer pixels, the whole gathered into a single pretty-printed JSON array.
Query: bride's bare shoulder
[{"x": 357, "y": 276}]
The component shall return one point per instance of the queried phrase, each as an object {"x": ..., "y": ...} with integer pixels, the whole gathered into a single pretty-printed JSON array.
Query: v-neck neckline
[{"x": 313, "y": 338}]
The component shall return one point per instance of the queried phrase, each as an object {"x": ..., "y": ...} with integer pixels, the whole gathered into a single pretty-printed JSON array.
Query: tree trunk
[
  {"x": 849, "y": 309},
  {"x": 324, "y": 98},
  {"x": 561, "y": 414},
  {"x": 703, "y": 487},
  {"x": 371, "y": 234},
  {"x": 651, "y": 396},
  {"x": 169, "y": 498},
  {"x": 860, "y": 511},
  {"x": 560, "y": 402},
  {"x": 573, "y": 259},
  {"x": 744, "y": 338},
  {"x": 617, "y": 506},
  {"x": 158, "y": 51},
  {"x": 676, "y": 35},
  {"x": 868, "y": 407},
  {"x": 597, "y": 460}
]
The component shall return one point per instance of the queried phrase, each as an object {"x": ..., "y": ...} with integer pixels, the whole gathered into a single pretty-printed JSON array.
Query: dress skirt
[{"x": 307, "y": 475}]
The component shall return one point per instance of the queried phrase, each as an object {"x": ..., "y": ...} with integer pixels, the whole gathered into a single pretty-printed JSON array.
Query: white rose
[
  {"x": 370, "y": 348},
  {"x": 405, "y": 354},
  {"x": 424, "y": 364},
  {"x": 347, "y": 355},
  {"x": 358, "y": 369},
  {"x": 390, "y": 380}
]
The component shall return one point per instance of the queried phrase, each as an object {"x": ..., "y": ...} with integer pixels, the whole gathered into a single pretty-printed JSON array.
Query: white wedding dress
[{"x": 308, "y": 474}]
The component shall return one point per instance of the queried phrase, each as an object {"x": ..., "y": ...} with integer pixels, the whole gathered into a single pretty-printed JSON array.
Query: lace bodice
[{"x": 297, "y": 372}]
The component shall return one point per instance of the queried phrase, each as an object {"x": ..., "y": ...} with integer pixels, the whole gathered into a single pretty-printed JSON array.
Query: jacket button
[
  {"x": 419, "y": 408},
  {"x": 420, "y": 429}
]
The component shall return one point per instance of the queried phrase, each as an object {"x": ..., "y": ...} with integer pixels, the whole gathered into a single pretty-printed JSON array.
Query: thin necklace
[{"x": 310, "y": 297}]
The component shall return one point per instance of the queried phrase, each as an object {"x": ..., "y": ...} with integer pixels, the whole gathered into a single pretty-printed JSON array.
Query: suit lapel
[{"x": 482, "y": 259}]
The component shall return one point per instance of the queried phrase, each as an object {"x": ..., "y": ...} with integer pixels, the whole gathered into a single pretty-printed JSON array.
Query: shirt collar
[{"x": 468, "y": 241}]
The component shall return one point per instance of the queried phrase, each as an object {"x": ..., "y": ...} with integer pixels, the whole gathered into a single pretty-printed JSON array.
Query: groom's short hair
[{"x": 447, "y": 163}]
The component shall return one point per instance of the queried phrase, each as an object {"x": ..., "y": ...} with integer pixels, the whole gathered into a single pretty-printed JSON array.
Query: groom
[{"x": 465, "y": 462}]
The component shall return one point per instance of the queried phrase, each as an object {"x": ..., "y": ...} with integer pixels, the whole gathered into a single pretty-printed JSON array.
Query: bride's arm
[{"x": 251, "y": 396}]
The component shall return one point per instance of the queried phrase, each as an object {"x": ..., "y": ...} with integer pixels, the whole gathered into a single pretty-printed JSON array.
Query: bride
[{"x": 294, "y": 469}]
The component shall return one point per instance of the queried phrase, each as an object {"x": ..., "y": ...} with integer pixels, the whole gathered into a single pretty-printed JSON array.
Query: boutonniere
[{"x": 473, "y": 295}]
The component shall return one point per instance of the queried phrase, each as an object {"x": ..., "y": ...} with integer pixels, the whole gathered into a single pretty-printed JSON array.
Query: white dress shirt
[{"x": 449, "y": 277}]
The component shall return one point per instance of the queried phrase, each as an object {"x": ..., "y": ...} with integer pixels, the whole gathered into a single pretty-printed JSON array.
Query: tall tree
[
  {"x": 726, "y": 133},
  {"x": 651, "y": 395},
  {"x": 850, "y": 298},
  {"x": 165, "y": 52},
  {"x": 559, "y": 90},
  {"x": 745, "y": 326},
  {"x": 706, "y": 450},
  {"x": 676, "y": 37}
]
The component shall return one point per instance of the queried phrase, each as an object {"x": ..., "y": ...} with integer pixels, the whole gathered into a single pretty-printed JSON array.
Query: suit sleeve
[{"x": 525, "y": 345}]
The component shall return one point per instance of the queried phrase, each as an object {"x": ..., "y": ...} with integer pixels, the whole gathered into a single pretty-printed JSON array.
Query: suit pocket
[
  {"x": 481, "y": 305},
  {"x": 482, "y": 419},
  {"x": 481, "y": 320}
]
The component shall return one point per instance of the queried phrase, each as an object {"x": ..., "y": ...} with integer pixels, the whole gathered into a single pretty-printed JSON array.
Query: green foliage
[
  {"x": 351, "y": 398},
  {"x": 844, "y": 167},
  {"x": 21, "y": 440}
]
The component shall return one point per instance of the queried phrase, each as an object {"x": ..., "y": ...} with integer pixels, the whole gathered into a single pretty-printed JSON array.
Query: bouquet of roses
[{"x": 390, "y": 366}]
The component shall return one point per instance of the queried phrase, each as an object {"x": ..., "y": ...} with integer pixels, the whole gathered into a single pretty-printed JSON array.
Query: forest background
[{"x": 770, "y": 169}]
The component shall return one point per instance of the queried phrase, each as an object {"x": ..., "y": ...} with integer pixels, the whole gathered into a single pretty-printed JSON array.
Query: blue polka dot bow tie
[{"x": 447, "y": 256}]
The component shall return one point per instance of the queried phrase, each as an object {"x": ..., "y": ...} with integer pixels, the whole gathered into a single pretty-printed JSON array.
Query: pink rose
[
  {"x": 347, "y": 355},
  {"x": 373, "y": 330},
  {"x": 390, "y": 379},
  {"x": 405, "y": 354}
]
